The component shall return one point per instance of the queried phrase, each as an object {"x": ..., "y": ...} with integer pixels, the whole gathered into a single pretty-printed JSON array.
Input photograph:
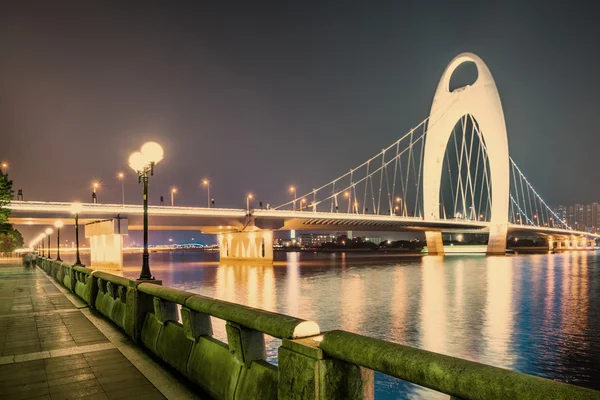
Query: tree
[
  {"x": 10, "y": 238},
  {"x": 6, "y": 195}
]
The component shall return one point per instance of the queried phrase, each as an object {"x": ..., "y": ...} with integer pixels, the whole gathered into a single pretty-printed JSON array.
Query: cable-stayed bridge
[{"x": 452, "y": 172}]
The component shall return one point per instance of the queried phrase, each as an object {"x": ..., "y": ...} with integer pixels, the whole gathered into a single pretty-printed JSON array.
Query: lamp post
[
  {"x": 58, "y": 225},
  {"x": 95, "y": 186},
  {"x": 173, "y": 191},
  {"x": 206, "y": 183},
  {"x": 347, "y": 195},
  {"x": 4, "y": 166},
  {"x": 121, "y": 176},
  {"x": 42, "y": 237},
  {"x": 293, "y": 190},
  {"x": 48, "y": 232},
  {"x": 248, "y": 198},
  {"x": 143, "y": 162},
  {"x": 75, "y": 210}
]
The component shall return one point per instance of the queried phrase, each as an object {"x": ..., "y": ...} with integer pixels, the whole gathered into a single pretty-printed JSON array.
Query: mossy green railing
[{"x": 176, "y": 326}]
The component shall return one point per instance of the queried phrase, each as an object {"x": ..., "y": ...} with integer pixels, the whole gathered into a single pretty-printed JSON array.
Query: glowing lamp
[
  {"x": 58, "y": 224},
  {"x": 152, "y": 152},
  {"x": 137, "y": 161},
  {"x": 48, "y": 231}
]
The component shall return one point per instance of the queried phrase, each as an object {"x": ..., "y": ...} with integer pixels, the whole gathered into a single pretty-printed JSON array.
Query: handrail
[
  {"x": 460, "y": 378},
  {"x": 119, "y": 280},
  {"x": 84, "y": 270},
  {"x": 165, "y": 293},
  {"x": 274, "y": 324}
]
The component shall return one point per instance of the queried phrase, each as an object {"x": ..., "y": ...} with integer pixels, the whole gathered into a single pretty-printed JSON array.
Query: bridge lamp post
[
  {"x": 206, "y": 183},
  {"x": 48, "y": 232},
  {"x": 95, "y": 186},
  {"x": 173, "y": 191},
  {"x": 293, "y": 190},
  {"x": 75, "y": 210},
  {"x": 143, "y": 163},
  {"x": 121, "y": 176},
  {"x": 58, "y": 225},
  {"x": 248, "y": 198},
  {"x": 399, "y": 202},
  {"x": 303, "y": 201}
]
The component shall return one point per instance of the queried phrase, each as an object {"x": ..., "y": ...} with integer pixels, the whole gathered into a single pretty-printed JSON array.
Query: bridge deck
[{"x": 52, "y": 349}]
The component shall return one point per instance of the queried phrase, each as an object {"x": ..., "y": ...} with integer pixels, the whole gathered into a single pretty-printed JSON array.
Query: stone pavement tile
[
  {"x": 8, "y": 392},
  {"x": 63, "y": 359},
  {"x": 30, "y": 394},
  {"x": 74, "y": 386},
  {"x": 6, "y": 370},
  {"x": 115, "y": 382},
  {"x": 116, "y": 366},
  {"x": 79, "y": 393},
  {"x": 24, "y": 379},
  {"x": 54, "y": 374},
  {"x": 21, "y": 350},
  {"x": 124, "y": 371},
  {"x": 79, "y": 377},
  {"x": 68, "y": 366},
  {"x": 126, "y": 392},
  {"x": 58, "y": 345}
]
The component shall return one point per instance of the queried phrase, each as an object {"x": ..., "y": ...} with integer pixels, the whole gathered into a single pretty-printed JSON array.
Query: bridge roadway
[{"x": 223, "y": 220}]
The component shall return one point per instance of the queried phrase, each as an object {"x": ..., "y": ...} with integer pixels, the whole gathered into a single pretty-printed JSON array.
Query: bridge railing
[{"x": 176, "y": 326}]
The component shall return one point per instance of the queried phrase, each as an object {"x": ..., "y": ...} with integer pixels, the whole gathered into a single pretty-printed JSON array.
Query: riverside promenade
[{"x": 53, "y": 346}]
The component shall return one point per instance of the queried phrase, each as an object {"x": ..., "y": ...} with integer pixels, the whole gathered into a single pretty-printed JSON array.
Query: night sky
[{"x": 256, "y": 97}]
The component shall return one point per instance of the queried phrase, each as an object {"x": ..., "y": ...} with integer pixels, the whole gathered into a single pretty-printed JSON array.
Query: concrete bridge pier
[
  {"x": 256, "y": 245},
  {"x": 106, "y": 243},
  {"x": 497, "y": 240},
  {"x": 435, "y": 246}
]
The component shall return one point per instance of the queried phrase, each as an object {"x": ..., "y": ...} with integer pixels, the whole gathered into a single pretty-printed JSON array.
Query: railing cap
[{"x": 273, "y": 324}]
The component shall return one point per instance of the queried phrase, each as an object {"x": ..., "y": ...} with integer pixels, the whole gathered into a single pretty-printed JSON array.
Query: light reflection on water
[{"x": 530, "y": 313}]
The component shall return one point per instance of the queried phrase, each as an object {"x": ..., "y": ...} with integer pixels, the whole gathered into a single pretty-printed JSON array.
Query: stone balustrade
[{"x": 176, "y": 326}]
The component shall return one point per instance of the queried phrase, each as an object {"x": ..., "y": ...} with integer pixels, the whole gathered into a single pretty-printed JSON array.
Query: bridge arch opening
[
  {"x": 465, "y": 182},
  {"x": 465, "y": 74}
]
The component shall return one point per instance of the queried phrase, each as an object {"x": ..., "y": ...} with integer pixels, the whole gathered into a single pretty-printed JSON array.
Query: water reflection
[{"x": 536, "y": 313}]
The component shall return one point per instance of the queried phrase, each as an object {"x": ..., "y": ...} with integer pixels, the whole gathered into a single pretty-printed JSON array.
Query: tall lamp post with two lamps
[{"x": 143, "y": 162}]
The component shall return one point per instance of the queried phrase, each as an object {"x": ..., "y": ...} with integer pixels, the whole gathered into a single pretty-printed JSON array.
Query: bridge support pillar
[
  {"x": 246, "y": 246},
  {"x": 435, "y": 245},
  {"x": 497, "y": 240},
  {"x": 106, "y": 243},
  {"x": 551, "y": 243}
]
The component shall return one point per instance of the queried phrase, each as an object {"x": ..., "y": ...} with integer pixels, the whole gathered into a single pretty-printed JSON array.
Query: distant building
[
  {"x": 315, "y": 239},
  {"x": 581, "y": 217}
]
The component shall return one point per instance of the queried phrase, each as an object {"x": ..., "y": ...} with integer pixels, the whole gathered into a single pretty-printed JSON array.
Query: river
[{"x": 538, "y": 314}]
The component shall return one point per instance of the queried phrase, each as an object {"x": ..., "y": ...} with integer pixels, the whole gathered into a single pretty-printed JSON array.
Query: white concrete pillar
[
  {"x": 435, "y": 245},
  {"x": 106, "y": 243},
  {"x": 246, "y": 246},
  {"x": 550, "y": 243},
  {"x": 497, "y": 239}
]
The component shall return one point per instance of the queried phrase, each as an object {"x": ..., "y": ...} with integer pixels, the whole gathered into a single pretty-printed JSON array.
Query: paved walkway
[{"x": 54, "y": 347}]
